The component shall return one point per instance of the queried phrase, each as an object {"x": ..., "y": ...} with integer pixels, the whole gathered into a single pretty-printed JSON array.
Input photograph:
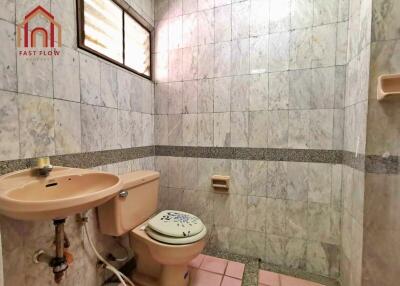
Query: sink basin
[{"x": 65, "y": 192}]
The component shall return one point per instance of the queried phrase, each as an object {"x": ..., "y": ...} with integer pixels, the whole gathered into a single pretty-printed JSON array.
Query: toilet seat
[{"x": 175, "y": 227}]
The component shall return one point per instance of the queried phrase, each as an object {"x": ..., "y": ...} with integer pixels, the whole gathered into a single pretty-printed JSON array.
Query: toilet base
[{"x": 171, "y": 275}]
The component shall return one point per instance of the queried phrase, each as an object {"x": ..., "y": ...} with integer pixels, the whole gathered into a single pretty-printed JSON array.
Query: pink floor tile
[
  {"x": 229, "y": 281},
  {"x": 268, "y": 278},
  {"x": 292, "y": 281},
  {"x": 200, "y": 277},
  {"x": 196, "y": 262},
  {"x": 214, "y": 264},
  {"x": 235, "y": 269}
]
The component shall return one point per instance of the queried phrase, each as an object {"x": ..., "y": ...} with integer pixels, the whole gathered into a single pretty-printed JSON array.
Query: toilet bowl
[{"x": 163, "y": 243}]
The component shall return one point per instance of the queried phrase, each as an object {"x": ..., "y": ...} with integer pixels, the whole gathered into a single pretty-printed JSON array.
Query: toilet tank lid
[{"x": 137, "y": 178}]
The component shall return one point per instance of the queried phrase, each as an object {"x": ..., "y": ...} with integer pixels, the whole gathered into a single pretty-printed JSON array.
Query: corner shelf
[{"x": 388, "y": 86}]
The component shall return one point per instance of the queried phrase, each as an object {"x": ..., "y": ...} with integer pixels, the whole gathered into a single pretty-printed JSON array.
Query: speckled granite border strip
[
  {"x": 268, "y": 154},
  {"x": 83, "y": 160},
  {"x": 373, "y": 164}
]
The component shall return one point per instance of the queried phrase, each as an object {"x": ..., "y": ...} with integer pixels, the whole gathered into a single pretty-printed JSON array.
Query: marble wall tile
[
  {"x": 259, "y": 54},
  {"x": 205, "y": 99},
  {"x": 239, "y": 129},
  {"x": 205, "y": 129},
  {"x": 301, "y": 14},
  {"x": 319, "y": 183},
  {"x": 240, "y": 93},
  {"x": 258, "y": 174},
  {"x": 279, "y": 52},
  {"x": 175, "y": 100},
  {"x": 175, "y": 33},
  {"x": 161, "y": 34},
  {"x": 161, "y": 95},
  {"x": 301, "y": 89},
  {"x": 67, "y": 127},
  {"x": 175, "y": 130},
  {"x": 300, "y": 51},
  {"x": 137, "y": 126},
  {"x": 189, "y": 165},
  {"x": 124, "y": 90},
  {"x": 258, "y": 93},
  {"x": 223, "y": 23},
  {"x": 138, "y": 93},
  {"x": 341, "y": 43},
  {"x": 256, "y": 207},
  {"x": 296, "y": 219},
  {"x": 325, "y": 12},
  {"x": 222, "y": 94},
  {"x": 275, "y": 248},
  {"x": 278, "y": 130},
  {"x": 222, "y": 129},
  {"x": 258, "y": 129},
  {"x": 343, "y": 10},
  {"x": 175, "y": 65},
  {"x": 230, "y": 210},
  {"x": 124, "y": 129},
  {"x": 324, "y": 45},
  {"x": 35, "y": 77},
  {"x": 90, "y": 80},
  {"x": 175, "y": 167},
  {"x": 109, "y": 127},
  {"x": 65, "y": 14},
  {"x": 277, "y": 180},
  {"x": 323, "y": 93},
  {"x": 298, "y": 129},
  {"x": 189, "y": 63},
  {"x": 323, "y": 223},
  {"x": 275, "y": 213},
  {"x": 206, "y": 27},
  {"x": 175, "y": 8},
  {"x": 161, "y": 129},
  {"x": 255, "y": 244},
  {"x": 323, "y": 258},
  {"x": 240, "y": 57},
  {"x": 91, "y": 128},
  {"x": 9, "y": 126},
  {"x": 241, "y": 19},
  {"x": 8, "y": 59},
  {"x": 206, "y": 59},
  {"x": 320, "y": 129},
  {"x": 297, "y": 181},
  {"x": 278, "y": 90},
  {"x": 240, "y": 177},
  {"x": 222, "y": 2},
  {"x": 190, "y": 37},
  {"x": 160, "y": 69},
  {"x": 259, "y": 17},
  {"x": 385, "y": 26},
  {"x": 222, "y": 63},
  {"x": 279, "y": 16},
  {"x": 36, "y": 126},
  {"x": 109, "y": 85},
  {"x": 205, "y": 4},
  {"x": 8, "y": 13},
  {"x": 189, "y": 6},
  {"x": 296, "y": 253},
  {"x": 66, "y": 75},
  {"x": 189, "y": 129},
  {"x": 189, "y": 89}
]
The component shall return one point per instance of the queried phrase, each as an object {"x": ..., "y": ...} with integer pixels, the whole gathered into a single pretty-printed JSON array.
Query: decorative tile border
[
  {"x": 83, "y": 160},
  {"x": 266, "y": 154},
  {"x": 370, "y": 163}
]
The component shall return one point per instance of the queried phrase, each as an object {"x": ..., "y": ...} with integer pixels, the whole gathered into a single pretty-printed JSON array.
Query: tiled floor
[
  {"x": 212, "y": 271},
  {"x": 266, "y": 278}
]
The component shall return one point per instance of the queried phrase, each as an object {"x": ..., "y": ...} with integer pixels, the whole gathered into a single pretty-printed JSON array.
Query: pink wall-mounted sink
[{"x": 65, "y": 192}]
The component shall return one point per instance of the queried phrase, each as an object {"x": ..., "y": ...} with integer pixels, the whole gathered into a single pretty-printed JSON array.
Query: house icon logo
[{"x": 45, "y": 35}]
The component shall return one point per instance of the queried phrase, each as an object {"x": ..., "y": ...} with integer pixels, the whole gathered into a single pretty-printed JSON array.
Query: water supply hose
[{"x": 124, "y": 280}]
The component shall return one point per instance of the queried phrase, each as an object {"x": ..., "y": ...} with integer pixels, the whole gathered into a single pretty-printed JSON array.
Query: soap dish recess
[
  {"x": 388, "y": 86},
  {"x": 220, "y": 183}
]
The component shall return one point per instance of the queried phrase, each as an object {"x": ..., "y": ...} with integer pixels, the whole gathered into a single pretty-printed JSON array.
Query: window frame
[{"x": 81, "y": 38}]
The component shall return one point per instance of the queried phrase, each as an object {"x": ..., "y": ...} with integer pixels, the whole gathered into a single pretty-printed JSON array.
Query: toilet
[{"x": 163, "y": 243}]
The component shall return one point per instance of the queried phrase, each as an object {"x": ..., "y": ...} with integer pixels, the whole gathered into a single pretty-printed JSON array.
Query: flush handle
[{"x": 123, "y": 194}]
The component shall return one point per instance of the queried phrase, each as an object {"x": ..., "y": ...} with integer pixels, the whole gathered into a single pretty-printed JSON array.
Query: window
[{"x": 108, "y": 31}]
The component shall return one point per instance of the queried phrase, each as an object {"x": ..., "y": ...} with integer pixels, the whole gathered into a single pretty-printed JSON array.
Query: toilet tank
[{"x": 136, "y": 203}]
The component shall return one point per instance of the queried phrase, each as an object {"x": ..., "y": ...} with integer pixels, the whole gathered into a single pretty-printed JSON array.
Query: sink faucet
[{"x": 43, "y": 166}]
